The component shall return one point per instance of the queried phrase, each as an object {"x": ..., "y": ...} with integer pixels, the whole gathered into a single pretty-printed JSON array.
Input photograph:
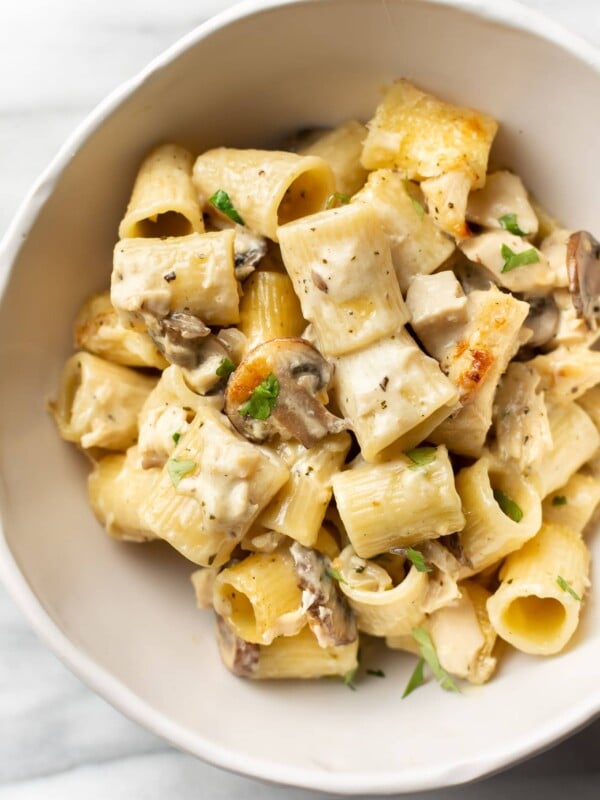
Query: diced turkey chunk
[
  {"x": 554, "y": 250},
  {"x": 438, "y": 308},
  {"x": 521, "y": 421},
  {"x": 447, "y": 197},
  {"x": 496, "y": 250},
  {"x": 502, "y": 196}
]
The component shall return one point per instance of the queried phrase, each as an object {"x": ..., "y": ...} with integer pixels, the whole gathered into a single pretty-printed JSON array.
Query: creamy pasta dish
[{"x": 356, "y": 384}]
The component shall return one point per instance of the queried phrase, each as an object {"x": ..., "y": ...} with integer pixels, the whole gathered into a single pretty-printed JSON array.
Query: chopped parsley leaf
[
  {"x": 509, "y": 223},
  {"x": 418, "y": 207},
  {"x": 417, "y": 560},
  {"x": 428, "y": 652},
  {"x": 416, "y": 679},
  {"x": 176, "y": 437},
  {"x": 349, "y": 678},
  {"x": 421, "y": 456},
  {"x": 225, "y": 368},
  {"x": 335, "y": 198},
  {"x": 559, "y": 500},
  {"x": 513, "y": 260},
  {"x": 566, "y": 587},
  {"x": 178, "y": 468},
  {"x": 377, "y": 673},
  {"x": 221, "y": 200},
  {"x": 508, "y": 505},
  {"x": 262, "y": 401},
  {"x": 336, "y": 575}
]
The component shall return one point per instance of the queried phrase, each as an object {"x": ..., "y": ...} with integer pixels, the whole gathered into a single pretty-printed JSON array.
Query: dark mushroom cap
[
  {"x": 327, "y": 612},
  {"x": 239, "y": 656},
  {"x": 303, "y": 374},
  {"x": 543, "y": 318},
  {"x": 180, "y": 338},
  {"x": 583, "y": 266}
]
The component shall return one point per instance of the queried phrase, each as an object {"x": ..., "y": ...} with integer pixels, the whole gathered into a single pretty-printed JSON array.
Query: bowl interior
[{"x": 123, "y": 615}]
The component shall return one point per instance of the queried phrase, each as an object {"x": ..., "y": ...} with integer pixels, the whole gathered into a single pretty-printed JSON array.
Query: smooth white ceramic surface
[{"x": 130, "y": 610}]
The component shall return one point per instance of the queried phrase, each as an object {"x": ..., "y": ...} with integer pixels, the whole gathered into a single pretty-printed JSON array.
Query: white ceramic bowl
[{"x": 123, "y": 617}]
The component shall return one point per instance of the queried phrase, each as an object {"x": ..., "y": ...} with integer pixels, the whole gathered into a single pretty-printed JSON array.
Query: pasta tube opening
[
  {"x": 305, "y": 195},
  {"x": 538, "y": 618},
  {"x": 171, "y": 223}
]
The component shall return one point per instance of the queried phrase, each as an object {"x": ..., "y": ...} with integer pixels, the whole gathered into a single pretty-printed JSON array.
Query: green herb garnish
[
  {"x": 225, "y": 368},
  {"x": 377, "y": 673},
  {"x": 337, "y": 197},
  {"x": 417, "y": 560},
  {"x": 421, "y": 456},
  {"x": 508, "y": 505},
  {"x": 178, "y": 468},
  {"x": 176, "y": 437},
  {"x": 428, "y": 652},
  {"x": 336, "y": 575},
  {"x": 349, "y": 677},
  {"x": 513, "y": 260},
  {"x": 418, "y": 207},
  {"x": 221, "y": 200},
  {"x": 416, "y": 679},
  {"x": 566, "y": 587},
  {"x": 262, "y": 400},
  {"x": 559, "y": 500},
  {"x": 510, "y": 224}
]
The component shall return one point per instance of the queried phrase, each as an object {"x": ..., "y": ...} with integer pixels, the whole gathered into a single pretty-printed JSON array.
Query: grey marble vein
[{"x": 58, "y": 58}]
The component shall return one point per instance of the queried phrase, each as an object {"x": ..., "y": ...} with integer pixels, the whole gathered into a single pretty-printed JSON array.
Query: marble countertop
[{"x": 58, "y": 58}]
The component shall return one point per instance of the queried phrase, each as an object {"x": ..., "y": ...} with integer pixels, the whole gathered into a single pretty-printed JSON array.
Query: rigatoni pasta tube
[
  {"x": 192, "y": 273},
  {"x": 98, "y": 330},
  {"x": 340, "y": 264},
  {"x": 380, "y": 389},
  {"x": 382, "y": 608},
  {"x": 590, "y": 402},
  {"x": 163, "y": 201},
  {"x": 266, "y": 187},
  {"x": 342, "y": 148},
  {"x": 417, "y": 245},
  {"x": 166, "y": 416},
  {"x": 117, "y": 487},
  {"x": 98, "y": 402},
  {"x": 575, "y": 440},
  {"x": 259, "y": 598},
  {"x": 490, "y": 533},
  {"x": 537, "y": 606},
  {"x": 299, "y": 507},
  {"x": 423, "y": 137},
  {"x": 573, "y": 505},
  {"x": 212, "y": 489},
  {"x": 298, "y": 656},
  {"x": 398, "y": 503},
  {"x": 269, "y": 309}
]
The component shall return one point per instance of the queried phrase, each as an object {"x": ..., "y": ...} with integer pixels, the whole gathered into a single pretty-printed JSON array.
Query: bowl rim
[{"x": 507, "y": 13}]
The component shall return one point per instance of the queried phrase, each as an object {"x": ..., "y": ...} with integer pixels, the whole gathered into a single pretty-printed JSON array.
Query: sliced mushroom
[
  {"x": 473, "y": 277},
  {"x": 249, "y": 250},
  {"x": 303, "y": 374},
  {"x": 240, "y": 657},
  {"x": 328, "y": 614},
  {"x": 179, "y": 336},
  {"x": 543, "y": 318},
  {"x": 583, "y": 265}
]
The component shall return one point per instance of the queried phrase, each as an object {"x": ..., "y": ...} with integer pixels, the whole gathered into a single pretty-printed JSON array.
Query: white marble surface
[{"x": 58, "y": 58}]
